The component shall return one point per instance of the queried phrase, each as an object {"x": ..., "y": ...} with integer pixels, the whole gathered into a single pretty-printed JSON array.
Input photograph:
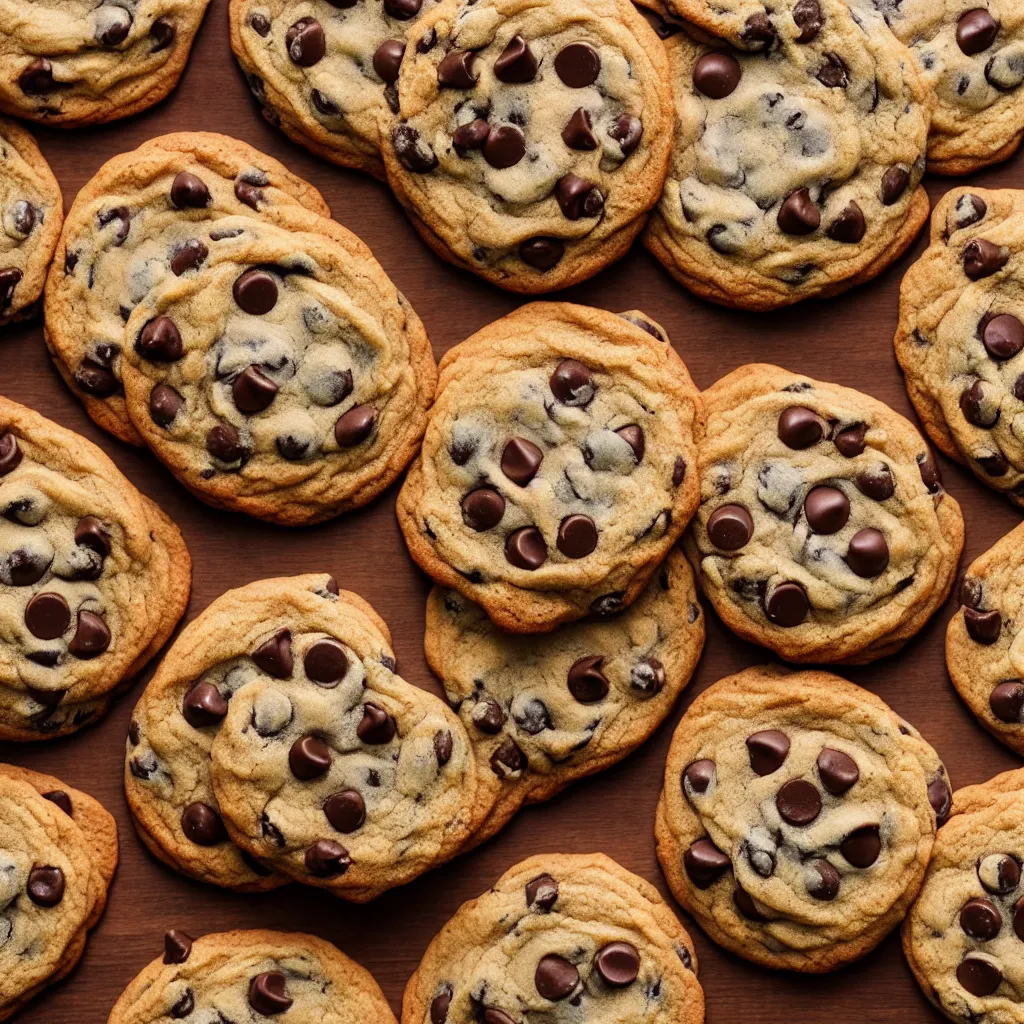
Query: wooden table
[{"x": 847, "y": 340}]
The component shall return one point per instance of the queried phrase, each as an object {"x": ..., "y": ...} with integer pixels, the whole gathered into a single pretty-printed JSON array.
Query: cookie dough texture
[
  {"x": 77, "y": 62},
  {"x": 531, "y": 138},
  {"x": 559, "y": 935},
  {"x": 797, "y": 817},
  {"x": 277, "y": 721},
  {"x": 824, "y": 532},
  {"x": 963, "y": 936},
  {"x": 58, "y": 854},
  {"x": 93, "y": 578},
  {"x": 971, "y": 54},
  {"x": 984, "y": 643},
  {"x": 121, "y": 237},
  {"x": 961, "y": 331},
  {"x": 558, "y": 465},
  {"x": 252, "y": 975},
  {"x": 798, "y": 155},
  {"x": 31, "y": 214},
  {"x": 544, "y": 711}
]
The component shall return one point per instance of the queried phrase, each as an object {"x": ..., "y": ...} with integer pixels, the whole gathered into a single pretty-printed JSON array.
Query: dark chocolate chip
[
  {"x": 504, "y": 146},
  {"x": 555, "y": 978},
  {"x": 798, "y": 802},
  {"x": 387, "y": 59},
  {"x": 850, "y": 442},
  {"x": 577, "y": 536},
  {"x": 177, "y": 946},
  {"x": 698, "y": 776},
  {"x": 541, "y": 893},
  {"x": 483, "y": 509},
  {"x": 648, "y": 677},
  {"x": 577, "y": 197},
  {"x": 268, "y": 993},
  {"x": 862, "y": 846},
  {"x": 61, "y": 799},
  {"x": 163, "y": 32},
  {"x": 895, "y": 182},
  {"x": 578, "y": 65},
  {"x": 730, "y": 527},
  {"x": 189, "y": 255},
  {"x": 274, "y": 656},
  {"x": 824, "y": 883},
  {"x": 520, "y": 460},
  {"x": 253, "y": 390},
  {"x": 309, "y": 758},
  {"x": 717, "y": 74},
  {"x": 456, "y": 70},
  {"x": 443, "y": 746},
  {"x": 1007, "y": 702},
  {"x": 525, "y": 548},
  {"x": 787, "y": 604},
  {"x": 800, "y": 427},
  {"x": 876, "y": 482},
  {"x": 255, "y": 291},
  {"x": 976, "y": 31},
  {"x": 799, "y": 214},
  {"x": 809, "y": 19},
  {"x": 346, "y": 811},
  {"x": 705, "y": 863},
  {"x": 941, "y": 799},
  {"x": 983, "y": 627},
  {"x": 541, "y": 253},
  {"x": 979, "y": 977},
  {"x": 202, "y": 825},
  {"x": 827, "y": 509},
  {"x": 204, "y": 705},
  {"x": 838, "y": 771},
  {"x": 439, "y": 1006},
  {"x": 470, "y": 136},
  {"x": 489, "y": 717},
  {"x": 849, "y": 226},
  {"x": 376, "y": 726},
  {"x": 868, "y": 553},
  {"x": 508, "y": 760},
  {"x": 45, "y": 886},
  {"x": 983, "y": 258},
  {"x": 578, "y": 131},
  {"x": 833, "y": 74},
  {"x": 47, "y": 616},
  {"x": 414, "y": 154},
  {"x": 516, "y": 62},
  {"x": 587, "y": 683},
  {"x": 767, "y": 750},
  {"x": 160, "y": 341},
  {"x": 189, "y": 191},
  {"x": 618, "y": 963},
  {"x": 306, "y": 42},
  {"x": 326, "y": 858},
  {"x": 1003, "y": 336},
  {"x": 355, "y": 426},
  {"x": 572, "y": 383},
  {"x": 627, "y": 130},
  {"x": 164, "y": 405},
  {"x": 37, "y": 79}
]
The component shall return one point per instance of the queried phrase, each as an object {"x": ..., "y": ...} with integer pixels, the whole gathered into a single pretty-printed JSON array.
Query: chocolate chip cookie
[
  {"x": 797, "y": 817},
  {"x": 252, "y": 975},
  {"x": 961, "y": 330},
  {"x": 559, "y": 936},
  {"x": 31, "y": 212},
  {"x": 277, "y": 721},
  {"x": 963, "y": 936},
  {"x": 971, "y": 54},
  {"x": 984, "y": 646},
  {"x": 824, "y": 532},
  {"x": 93, "y": 578},
  {"x": 58, "y": 854},
  {"x": 326, "y": 71},
  {"x": 143, "y": 217},
  {"x": 544, "y": 711},
  {"x": 285, "y": 377},
  {"x": 558, "y": 465},
  {"x": 800, "y": 142},
  {"x": 532, "y": 136},
  {"x": 77, "y": 62}
]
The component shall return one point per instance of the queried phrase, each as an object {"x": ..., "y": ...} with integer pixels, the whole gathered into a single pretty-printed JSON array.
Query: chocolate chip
[
  {"x": 999, "y": 873},
  {"x": 981, "y": 919},
  {"x": 808, "y": 17},
  {"x": 577, "y": 197},
  {"x": 758, "y": 29},
  {"x": 162, "y": 32},
  {"x": 483, "y": 509},
  {"x": 850, "y": 442},
  {"x": 516, "y": 62},
  {"x": 376, "y": 726},
  {"x": 767, "y": 751},
  {"x": 505, "y": 146},
  {"x": 159, "y": 341},
  {"x": 253, "y": 390},
  {"x": 983, "y": 627},
  {"x": 495, "y": 1016},
  {"x": 833, "y": 74},
  {"x": 189, "y": 191},
  {"x": 45, "y": 886},
  {"x": 306, "y": 42},
  {"x": 255, "y": 291},
  {"x": 439, "y": 1006},
  {"x": 572, "y": 383},
  {"x": 10, "y": 453},
  {"x": 60, "y": 799},
  {"x": 974, "y": 407},
  {"x": 746, "y": 906},
  {"x": 164, "y": 405},
  {"x": 800, "y": 427},
  {"x": 489, "y": 717},
  {"x": 827, "y": 509},
  {"x": 633, "y": 435},
  {"x": 862, "y": 846},
  {"x": 577, "y": 536},
  {"x": 798, "y": 802},
  {"x": 648, "y": 677},
  {"x": 717, "y": 74},
  {"x": 24, "y": 216},
  {"x": 330, "y": 388},
  {"x": 699, "y": 775},
  {"x": 508, "y": 761},
  {"x": 96, "y": 380},
  {"x": 983, "y": 258},
  {"x": 705, "y": 863},
  {"x": 355, "y": 426},
  {"x": 520, "y": 460},
  {"x": 274, "y": 656},
  {"x": 578, "y": 131},
  {"x": 325, "y": 663},
  {"x": 387, "y": 59},
  {"x": 969, "y": 210},
  {"x": 1007, "y": 702},
  {"x": 47, "y": 616},
  {"x": 346, "y": 811},
  {"x": 456, "y": 70},
  {"x": 618, "y": 963},
  {"x": 177, "y": 947},
  {"x": 979, "y": 977},
  {"x": 443, "y": 745},
  {"x": 541, "y": 893},
  {"x": 326, "y": 858},
  {"x": 1003, "y": 336},
  {"x": 37, "y": 78},
  {"x": 260, "y": 24},
  {"x": 203, "y": 705},
  {"x": 868, "y": 553},
  {"x": 941, "y": 799},
  {"x": 189, "y": 255},
  {"x": 627, "y": 130},
  {"x": 202, "y": 825},
  {"x": 92, "y": 636},
  {"x": 578, "y": 65},
  {"x": 876, "y": 482},
  {"x": 309, "y": 758},
  {"x": 976, "y": 31},
  {"x": 838, "y": 771},
  {"x": 25, "y": 567},
  {"x": 268, "y": 993},
  {"x": 799, "y": 215},
  {"x": 9, "y": 278},
  {"x": 730, "y": 527},
  {"x": 587, "y": 683},
  {"x": 113, "y": 25},
  {"x": 414, "y": 154},
  {"x": 121, "y": 217},
  {"x": 787, "y": 604},
  {"x": 541, "y": 253},
  {"x": 401, "y": 9},
  {"x": 555, "y": 978},
  {"x": 849, "y": 227},
  {"x": 895, "y": 182},
  {"x": 824, "y": 880},
  {"x": 471, "y": 136}
]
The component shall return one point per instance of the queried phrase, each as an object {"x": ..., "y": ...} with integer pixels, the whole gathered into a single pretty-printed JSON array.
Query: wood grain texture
[{"x": 847, "y": 340}]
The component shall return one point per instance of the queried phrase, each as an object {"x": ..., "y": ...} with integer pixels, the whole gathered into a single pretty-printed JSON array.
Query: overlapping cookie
[
  {"x": 544, "y": 711},
  {"x": 531, "y": 138},
  {"x": 797, "y": 817},
  {"x": 93, "y": 578},
  {"x": 961, "y": 331},
  {"x": 31, "y": 214},
  {"x": 801, "y": 130},
  {"x": 559, "y": 936},
  {"x": 277, "y": 721},
  {"x": 963, "y": 936},
  {"x": 824, "y": 532},
  {"x": 971, "y": 54},
  {"x": 58, "y": 854},
  {"x": 76, "y": 62},
  {"x": 984, "y": 642},
  {"x": 250, "y": 975},
  {"x": 558, "y": 465}
]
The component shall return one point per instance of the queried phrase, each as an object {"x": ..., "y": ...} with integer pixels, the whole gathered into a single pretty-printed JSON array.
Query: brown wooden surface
[{"x": 847, "y": 340}]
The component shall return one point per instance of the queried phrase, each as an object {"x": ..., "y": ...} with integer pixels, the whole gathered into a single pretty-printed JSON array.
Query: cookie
[
  {"x": 76, "y": 62},
  {"x": 285, "y": 376},
  {"x": 249, "y": 975},
  {"x": 799, "y": 148},
  {"x": 544, "y": 711},
  {"x": 963, "y": 935},
  {"x": 960, "y": 330},
  {"x": 532, "y": 138},
  {"x": 93, "y": 578},
  {"x": 971, "y": 55},
  {"x": 558, "y": 466},
  {"x": 277, "y": 720},
  {"x": 58, "y": 855},
  {"x": 797, "y": 817},
  {"x": 326, "y": 73},
  {"x": 983, "y": 648},
  {"x": 32, "y": 211},
  {"x": 559, "y": 935},
  {"x": 134, "y": 224},
  {"x": 824, "y": 532}
]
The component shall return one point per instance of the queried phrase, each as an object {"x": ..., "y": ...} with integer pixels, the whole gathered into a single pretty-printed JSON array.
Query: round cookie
[
  {"x": 799, "y": 149},
  {"x": 963, "y": 936},
  {"x": 558, "y": 465},
  {"x": 984, "y": 643},
  {"x": 961, "y": 331},
  {"x": 797, "y": 817},
  {"x": 544, "y": 711},
  {"x": 824, "y": 532},
  {"x": 249, "y": 975},
  {"x": 32, "y": 211},
  {"x": 971, "y": 55},
  {"x": 286, "y": 377},
  {"x": 93, "y": 578},
  {"x": 559, "y": 935},
  {"x": 532, "y": 138},
  {"x": 77, "y": 62},
  {"x": 326, "y": 73},
  {"x": 58, "y": 854},
  {"x": 134, "y": 224}
]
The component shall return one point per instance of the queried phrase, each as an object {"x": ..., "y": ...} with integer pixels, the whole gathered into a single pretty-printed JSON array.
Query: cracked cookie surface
[
  {"x": 824, "y": 532},
  {"x": 797, "y": 817}
]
